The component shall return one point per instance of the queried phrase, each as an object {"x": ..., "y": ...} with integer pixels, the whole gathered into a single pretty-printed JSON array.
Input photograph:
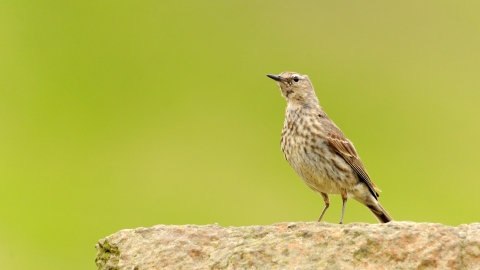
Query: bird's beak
[{"x": 275, "y": 77}]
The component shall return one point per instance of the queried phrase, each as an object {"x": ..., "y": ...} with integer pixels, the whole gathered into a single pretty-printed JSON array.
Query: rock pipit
[{"x": 319, "y": 152}]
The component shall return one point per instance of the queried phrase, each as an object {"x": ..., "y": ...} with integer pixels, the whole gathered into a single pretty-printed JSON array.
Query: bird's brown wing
[{"x": 345, "y": 149}]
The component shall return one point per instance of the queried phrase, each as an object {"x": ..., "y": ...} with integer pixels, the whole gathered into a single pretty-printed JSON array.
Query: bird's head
[{"x": 295, "y": 88}]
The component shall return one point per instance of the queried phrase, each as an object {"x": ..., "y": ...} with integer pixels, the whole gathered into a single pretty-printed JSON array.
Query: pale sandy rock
[{"x": 311, "y": 245}]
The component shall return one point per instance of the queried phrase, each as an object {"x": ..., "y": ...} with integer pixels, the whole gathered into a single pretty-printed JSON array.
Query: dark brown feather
[{"x": 345, "y": 149}]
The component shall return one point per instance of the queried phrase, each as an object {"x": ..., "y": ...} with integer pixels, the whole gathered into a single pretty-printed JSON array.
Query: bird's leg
[
  {"x": 344, "y": 199},
  {"x": 327, "y": 204}
]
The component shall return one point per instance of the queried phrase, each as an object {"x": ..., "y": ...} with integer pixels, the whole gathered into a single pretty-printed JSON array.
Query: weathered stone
[{"x": 312, "y": 245}]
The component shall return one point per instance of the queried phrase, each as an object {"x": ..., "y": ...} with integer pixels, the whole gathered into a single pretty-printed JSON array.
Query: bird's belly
[
  {"x": 321, "y": 169},
  {"x": 320, "y": 184}
]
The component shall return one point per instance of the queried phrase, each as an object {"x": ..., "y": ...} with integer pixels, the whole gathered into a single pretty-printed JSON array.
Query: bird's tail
[{"x": 380, "y": 213}]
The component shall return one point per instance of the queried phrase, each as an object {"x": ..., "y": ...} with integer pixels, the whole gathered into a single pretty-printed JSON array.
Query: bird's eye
[{"x": 295, "y": 78}]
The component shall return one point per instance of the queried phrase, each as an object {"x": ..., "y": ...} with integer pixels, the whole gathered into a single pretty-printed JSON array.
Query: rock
[{"x": 310, "y": 245}]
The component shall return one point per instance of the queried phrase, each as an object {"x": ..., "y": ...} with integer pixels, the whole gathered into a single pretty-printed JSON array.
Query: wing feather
[{"x": 346, "y": 150}]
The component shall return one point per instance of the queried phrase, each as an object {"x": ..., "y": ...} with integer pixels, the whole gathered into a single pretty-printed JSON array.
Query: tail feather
[{"x": 380, "y": 213}]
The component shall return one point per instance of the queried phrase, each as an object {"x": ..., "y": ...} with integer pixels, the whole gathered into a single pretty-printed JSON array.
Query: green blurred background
[{"x": 125, "y": 114}]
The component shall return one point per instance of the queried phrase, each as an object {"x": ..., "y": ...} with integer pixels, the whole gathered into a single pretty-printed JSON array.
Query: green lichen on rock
[{"x": 108, "y": 255}]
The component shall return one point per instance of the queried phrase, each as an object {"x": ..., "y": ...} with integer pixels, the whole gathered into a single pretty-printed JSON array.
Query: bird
[{"x": 319, "y": 152}]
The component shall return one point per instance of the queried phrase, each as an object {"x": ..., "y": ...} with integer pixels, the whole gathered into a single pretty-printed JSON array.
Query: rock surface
[{"x": 311, "y": 245}]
